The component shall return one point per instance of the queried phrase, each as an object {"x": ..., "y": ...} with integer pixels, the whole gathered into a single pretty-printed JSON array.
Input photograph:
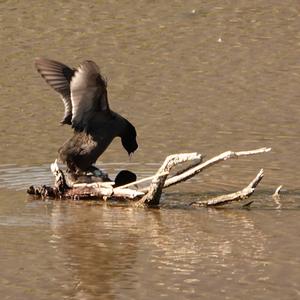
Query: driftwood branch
[
  {"x": 277, "y": 192},
  {"x": 151, "y": 194},
  {"x": 152, "y": 198},
  {"x": 276, "y": 197},
  {"x": 237, "y": 196},
  {"x": 202, "y": 166},
  {"x": 158, "y": 183}
]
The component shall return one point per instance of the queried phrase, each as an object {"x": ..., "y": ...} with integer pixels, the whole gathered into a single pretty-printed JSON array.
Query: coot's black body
[{"x": 84, "y": 93}]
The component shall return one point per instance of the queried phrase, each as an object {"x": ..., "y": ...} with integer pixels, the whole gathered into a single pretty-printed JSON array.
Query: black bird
[
  {"x": 124, "y": 177},
  {"x": 84, "y": 94}
]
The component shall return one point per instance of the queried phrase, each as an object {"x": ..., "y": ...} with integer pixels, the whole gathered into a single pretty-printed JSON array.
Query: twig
[
  {"x": 190, "y": 166},
  {"x": 277, "y": 192},
  {"x": 199, "y": 168},
  {"x": 237, "y": 196},
  {"x": 276, "y": 197}
]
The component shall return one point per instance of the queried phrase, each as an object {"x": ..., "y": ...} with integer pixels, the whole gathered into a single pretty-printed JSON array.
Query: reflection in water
[
  {"x": 80, "y": 250},
  {"x": 99, "y": 248},
  {"x": 114, "y": 250}
]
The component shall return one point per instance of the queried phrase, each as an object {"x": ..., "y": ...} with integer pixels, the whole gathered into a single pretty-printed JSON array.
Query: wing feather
[
  {"x": 58, "y": 76},
  {"x": 88, "y": 94}
]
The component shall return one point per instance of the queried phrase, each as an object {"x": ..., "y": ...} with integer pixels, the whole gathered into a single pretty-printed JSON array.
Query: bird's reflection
[
  {"x": 100, "y": 246},
  {"x": 112, "y": 250}
]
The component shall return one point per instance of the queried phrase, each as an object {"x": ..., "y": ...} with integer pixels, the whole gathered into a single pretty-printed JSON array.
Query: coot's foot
[
  {"x": 94, "y": 171},
  {"x": 92, "y": 175}
]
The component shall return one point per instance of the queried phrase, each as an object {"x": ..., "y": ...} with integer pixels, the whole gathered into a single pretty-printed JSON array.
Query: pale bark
[
  {"x": 276, "y": 197},
  {"x": 153, "y": 195},
  {"x": 202, "y": 166},
  {"x": 277, "y": 192},
  {"x": 237, "y": 196}
]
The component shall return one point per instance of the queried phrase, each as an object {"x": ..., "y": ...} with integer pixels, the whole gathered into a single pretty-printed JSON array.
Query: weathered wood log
[
  {"x": 151, "y": 194},
  {"x": 103, "y": 192}
]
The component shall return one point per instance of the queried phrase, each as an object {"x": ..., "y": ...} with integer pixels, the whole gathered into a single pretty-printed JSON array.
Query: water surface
[{"x": 205, "y": 76}]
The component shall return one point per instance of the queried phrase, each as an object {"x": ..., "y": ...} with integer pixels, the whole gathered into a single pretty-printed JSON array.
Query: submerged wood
[{"x": 151, "y": 194}]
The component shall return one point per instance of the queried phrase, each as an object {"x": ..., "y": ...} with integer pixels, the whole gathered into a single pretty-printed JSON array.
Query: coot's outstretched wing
[
  {"x": 58, "y": 76},
  {"x": 88, "y": 94}
]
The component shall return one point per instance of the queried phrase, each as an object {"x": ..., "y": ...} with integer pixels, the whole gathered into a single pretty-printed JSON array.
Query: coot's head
[
  {"x": 128, "y": 139},
  {"x": 124, "y": 177}
]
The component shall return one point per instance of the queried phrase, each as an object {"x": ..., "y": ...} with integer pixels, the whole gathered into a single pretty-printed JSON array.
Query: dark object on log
[
  {"x": 124, "y": 177},
  {"x": 150, "y": 196}
]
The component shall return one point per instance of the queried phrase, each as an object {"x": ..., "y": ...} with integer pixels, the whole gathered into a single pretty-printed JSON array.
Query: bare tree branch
[
  {"x": 277, "y": 192},
  {"x": 237, "y": 196},
  {"x": 276, "y": 197},
  {"x": 152, "y": 198},
  {"x": 202, "y": 166}
]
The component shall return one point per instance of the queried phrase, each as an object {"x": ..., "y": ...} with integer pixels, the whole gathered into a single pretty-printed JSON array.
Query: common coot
[{"x": 84, "y": 94}]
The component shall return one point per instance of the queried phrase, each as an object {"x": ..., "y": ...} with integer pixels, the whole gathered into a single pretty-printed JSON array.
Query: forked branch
[
  {"x": 237, "y": 196},
  {"x": 202, "y": 166}
]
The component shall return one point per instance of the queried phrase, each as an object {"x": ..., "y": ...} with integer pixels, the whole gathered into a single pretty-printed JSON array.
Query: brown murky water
[{"x": 206, "y": 76}]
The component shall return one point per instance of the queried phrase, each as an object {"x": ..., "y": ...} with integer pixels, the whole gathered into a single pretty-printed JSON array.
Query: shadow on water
[{"x": 108, "y": 252}]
